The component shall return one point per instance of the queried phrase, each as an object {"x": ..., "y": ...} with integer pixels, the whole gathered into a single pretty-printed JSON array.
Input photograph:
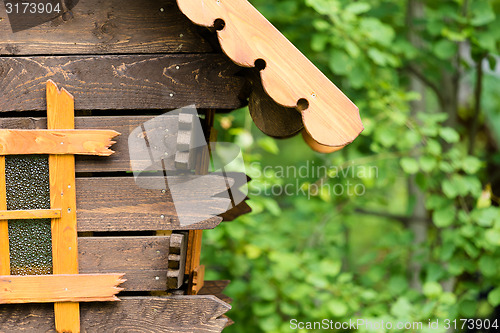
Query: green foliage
[{"x": 320, "y": 253}]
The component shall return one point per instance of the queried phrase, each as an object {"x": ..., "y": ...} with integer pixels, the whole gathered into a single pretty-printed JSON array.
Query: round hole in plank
[
  {"x": 219, "y": 24},
  {"x": 302, "y": 104},
  {"x": 260, "y": 64}
]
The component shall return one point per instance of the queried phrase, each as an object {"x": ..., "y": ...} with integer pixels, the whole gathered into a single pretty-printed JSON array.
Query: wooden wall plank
[
  {"x": 110, "y": 26},
  {"x": 173, "y": 314},
  {"x": 59, "y": 288},
  {"x": 123, "y": 81},
  {"x": 118, "y": 204},
  {"x": 143, "y": 259}
]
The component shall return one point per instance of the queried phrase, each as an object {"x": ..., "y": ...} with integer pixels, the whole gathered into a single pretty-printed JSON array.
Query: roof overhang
[{"x": 330, "y": 119}]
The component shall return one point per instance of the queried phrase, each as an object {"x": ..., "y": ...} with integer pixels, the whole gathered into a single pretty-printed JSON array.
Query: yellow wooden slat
[
  {"x": 79, "y": 142},
  {"x": 60, "y": 115},
  {"x": 30, "y": 214},
  {"x": 59, "y": 288},
  {"x": 4, "y": 225}
]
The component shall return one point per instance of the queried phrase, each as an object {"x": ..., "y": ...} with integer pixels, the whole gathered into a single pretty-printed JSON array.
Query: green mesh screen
[{"x": 30, "y": 241}]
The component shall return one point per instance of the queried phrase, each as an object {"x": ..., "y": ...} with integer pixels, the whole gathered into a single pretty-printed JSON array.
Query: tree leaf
[
  {"x": 444, "y": 217},
  {"x": 409, "y": 165}
]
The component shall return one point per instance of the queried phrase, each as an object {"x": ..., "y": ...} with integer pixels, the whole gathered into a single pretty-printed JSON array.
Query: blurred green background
[{"x": 417, "y": 237}]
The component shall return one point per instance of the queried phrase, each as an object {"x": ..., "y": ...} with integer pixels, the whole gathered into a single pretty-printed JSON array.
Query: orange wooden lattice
[{"x": 66, "y": 287}]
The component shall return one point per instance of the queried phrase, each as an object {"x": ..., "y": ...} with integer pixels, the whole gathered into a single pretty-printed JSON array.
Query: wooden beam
[
  {"x": 4, "y": 224},
  {"x": 60, "y": 115},
  {"x": 172, "y": 314},
  {"x": 30, "y": 214},
  {"x": 126, "y": 82},
  {"x": 131, "y": 207},
  {"x": 52, "y": 142},
  {"x": 104, "y": 27},
  {"x": 145, "y": 260},
  {"x": 59, "y": 288}
]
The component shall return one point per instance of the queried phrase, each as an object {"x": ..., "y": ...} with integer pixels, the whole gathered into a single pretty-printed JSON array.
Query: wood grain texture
[
  {"x": 60, "y": 115},
  {"x": 331, "y": 118},
  {"x": 59, "y": 288},
  {"x": 119, "y": 204},
  {"x": 122, "y": 81},
  {"x": 145, "y": 260},
  {"x": 109, "y": 26},
  {"x": 30, "y": 214},
  {"x": 4, "y": 224},
  {"x": 316, "y": 146},
  {"x": 174, "y": 314},
  {"x": 82, "y": 142}
]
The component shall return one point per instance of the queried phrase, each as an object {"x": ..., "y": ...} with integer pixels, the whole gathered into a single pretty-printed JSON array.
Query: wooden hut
[{"x": 82, "y": 247}]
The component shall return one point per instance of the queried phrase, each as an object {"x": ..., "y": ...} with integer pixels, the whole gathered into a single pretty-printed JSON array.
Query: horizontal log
[
  {"x": 119, "y": 204},
  {"x": 30, "y": 214},
  {"x": 56, "y": 142},
  {"x": 144, "y": 259},
  {"x": 122, "y": 81},
  {"x": 59, "y": 288},
  {"x": 173, "y": 314},
  {"x": 110, "y": 26}
]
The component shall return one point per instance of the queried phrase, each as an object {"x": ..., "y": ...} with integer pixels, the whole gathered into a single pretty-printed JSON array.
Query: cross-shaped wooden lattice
[{"x": 61, "y": 142}]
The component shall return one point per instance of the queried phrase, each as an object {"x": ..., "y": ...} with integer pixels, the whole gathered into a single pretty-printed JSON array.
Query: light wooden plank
[
  {"x": 288, "y": 77},
  {"x": 30, "y": 214},
  {"x": 81, "y": 142},
  {"x": 4, "y": 224},
  {"x": 59, "y": 288},
  {"x": 60, "y": 115}
]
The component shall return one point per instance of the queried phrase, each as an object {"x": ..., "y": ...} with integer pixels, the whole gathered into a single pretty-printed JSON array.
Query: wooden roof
[{"x": 329, "y": 118}]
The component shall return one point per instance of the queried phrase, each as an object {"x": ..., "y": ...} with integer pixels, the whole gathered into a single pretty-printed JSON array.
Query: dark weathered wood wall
[{"x": 124, "y": 61}]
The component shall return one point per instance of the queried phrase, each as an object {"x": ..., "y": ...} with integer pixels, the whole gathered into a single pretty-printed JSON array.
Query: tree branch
[{"x": 413, "y": 70}]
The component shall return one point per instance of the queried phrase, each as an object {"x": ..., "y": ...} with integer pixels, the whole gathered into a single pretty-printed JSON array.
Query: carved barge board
[
  {"x": 174, "y": 314},
  {"x": 124, "y": 82},
  {"x": 111, "y": 26},
  {"x": 118, "y": 204},
  {"x": 288, "y": 76}
]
